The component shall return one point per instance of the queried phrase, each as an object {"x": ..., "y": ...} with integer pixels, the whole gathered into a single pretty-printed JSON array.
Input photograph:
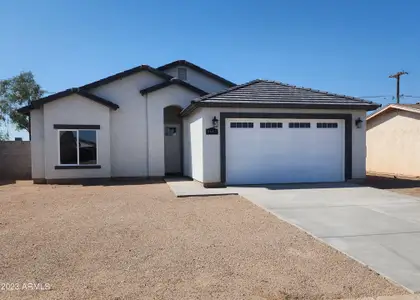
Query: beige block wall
[
  {"x": 393, "y": 144},
  {"x": 15, "y": 160}
]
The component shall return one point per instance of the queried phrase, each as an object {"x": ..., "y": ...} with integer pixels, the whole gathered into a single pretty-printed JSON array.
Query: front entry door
[{"x": 172, "y": 149}]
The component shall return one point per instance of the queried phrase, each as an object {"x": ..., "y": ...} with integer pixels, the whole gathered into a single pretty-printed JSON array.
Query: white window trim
[{"x": 77, "y": 135}]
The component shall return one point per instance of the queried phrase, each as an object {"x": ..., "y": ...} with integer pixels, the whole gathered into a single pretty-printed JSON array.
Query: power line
[
  {"x": 380, "y": 96},
  {"x": 410, "y": 96}
]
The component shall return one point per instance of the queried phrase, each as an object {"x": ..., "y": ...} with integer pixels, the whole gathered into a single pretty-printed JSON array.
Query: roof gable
[
  {"x": 38, "y": 103},
  {"x": 198, "y": 69}
]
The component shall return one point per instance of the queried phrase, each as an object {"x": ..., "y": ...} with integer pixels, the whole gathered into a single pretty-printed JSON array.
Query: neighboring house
[
  {"x": 393, "y": 140},
  {"x": 182, "y": 119}
]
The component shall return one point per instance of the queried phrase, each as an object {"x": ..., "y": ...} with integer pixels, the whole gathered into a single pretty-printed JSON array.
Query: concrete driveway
[{"x": 378, "y": 228}]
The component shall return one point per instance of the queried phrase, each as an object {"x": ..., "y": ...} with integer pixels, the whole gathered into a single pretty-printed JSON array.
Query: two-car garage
[
  {"x": 264, "y": 132},
  {"x": 284, "y": 150}
]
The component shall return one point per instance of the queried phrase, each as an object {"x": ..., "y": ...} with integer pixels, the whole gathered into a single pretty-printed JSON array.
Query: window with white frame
[
  {"x": 182, "y": 73},
  {"x": 78, "y": 147}
]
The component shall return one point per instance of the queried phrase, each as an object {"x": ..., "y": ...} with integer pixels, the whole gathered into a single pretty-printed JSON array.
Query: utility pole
[{"x": 397, "y": 76}]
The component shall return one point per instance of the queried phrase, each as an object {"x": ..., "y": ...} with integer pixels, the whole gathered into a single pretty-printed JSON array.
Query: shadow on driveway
[{"x": 391, "y": 182}]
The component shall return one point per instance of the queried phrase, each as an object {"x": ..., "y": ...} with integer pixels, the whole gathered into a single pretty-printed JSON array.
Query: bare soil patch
[{"x": 140, "y": 242}]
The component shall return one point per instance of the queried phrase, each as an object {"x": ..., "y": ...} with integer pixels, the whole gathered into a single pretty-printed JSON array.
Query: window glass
[
  {"x": 327, "y": 125},
  {"x": 299, "y": 125},
  {"x": 271, "y": 125},
  {"x": 68, "y": 147},
  {"x": 87, "y": 147},
  {"x": 241, "y": 125}
]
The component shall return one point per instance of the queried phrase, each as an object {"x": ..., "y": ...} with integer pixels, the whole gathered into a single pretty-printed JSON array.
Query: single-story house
[
  {"x": 393, "y": 140},
  {"x": 182, "y": 119}
]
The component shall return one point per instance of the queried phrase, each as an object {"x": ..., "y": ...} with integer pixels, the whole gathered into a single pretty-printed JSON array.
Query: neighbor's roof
[
  {"x": 266, "y": 93},
  {"x": 415, "y": 108},
  {"x": 38, "y": 103},
  {"x": 198, "y": 69}
]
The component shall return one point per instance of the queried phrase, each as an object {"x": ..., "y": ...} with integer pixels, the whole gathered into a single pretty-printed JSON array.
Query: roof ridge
[
  {"x": 236, "y": 87},
  {"x": 317, "y": 91},
  {"x": 282, "y": 84}
]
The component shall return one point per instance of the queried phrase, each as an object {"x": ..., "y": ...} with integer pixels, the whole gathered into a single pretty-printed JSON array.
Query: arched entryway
[{"x": 173, "y": 140}]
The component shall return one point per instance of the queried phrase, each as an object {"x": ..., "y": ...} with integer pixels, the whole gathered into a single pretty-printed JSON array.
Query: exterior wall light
[
  {"x": 358, "y": 122},
  {"x": 215, "y": 122}
]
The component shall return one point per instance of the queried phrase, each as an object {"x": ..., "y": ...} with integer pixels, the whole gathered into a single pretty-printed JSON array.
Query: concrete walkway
[
  {"x": 377, "y": 228},
  {"x": 183, "y": 187}
]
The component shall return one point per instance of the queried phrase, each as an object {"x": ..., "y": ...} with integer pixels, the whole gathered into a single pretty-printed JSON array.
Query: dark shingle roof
[{"x": 266, "y": 93}]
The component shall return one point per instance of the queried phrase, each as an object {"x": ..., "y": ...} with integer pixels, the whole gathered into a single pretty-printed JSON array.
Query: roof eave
[
  {"x": 194, "y": 105},
  {"x": 124, "y": 74},
  {"x": 25, "y": 110},
  {"x": 40, "y": 102},
  {"x": 165, "y": 84}
]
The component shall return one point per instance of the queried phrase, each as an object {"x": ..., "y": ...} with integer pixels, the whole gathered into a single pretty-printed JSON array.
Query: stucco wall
[
  {"x": 128, "y": 124},
  {"x": 37, "y": 144},
  {"x": 157, "y": 101},
  {"x": 193, "y": 146},
  {"x": 15, "y": 160},
  {"x": 76, "y": 110},
  {"x": 199, "y": 80},
  {"x": 393, "y": 144},
  {"x": 211, "y": 143}
]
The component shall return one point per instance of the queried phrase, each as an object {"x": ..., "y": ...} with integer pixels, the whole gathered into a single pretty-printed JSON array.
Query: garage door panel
[{"x": 283, "y": 154}]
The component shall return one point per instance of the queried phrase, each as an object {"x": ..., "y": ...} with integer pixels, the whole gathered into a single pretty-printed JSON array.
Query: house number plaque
[{"x": 212, "y": 130}]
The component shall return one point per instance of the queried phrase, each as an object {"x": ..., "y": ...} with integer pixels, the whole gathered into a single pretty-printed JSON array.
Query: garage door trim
[{"x": 347, "y": 139}]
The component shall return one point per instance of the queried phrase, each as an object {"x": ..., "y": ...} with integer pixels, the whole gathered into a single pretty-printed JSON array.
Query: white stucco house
[{"x": 182, "y": 119}]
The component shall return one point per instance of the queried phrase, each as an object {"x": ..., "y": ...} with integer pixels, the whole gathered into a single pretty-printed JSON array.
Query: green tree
[
  {"x": 3, "y": 135},
  {"x": 16, "y": 92}
]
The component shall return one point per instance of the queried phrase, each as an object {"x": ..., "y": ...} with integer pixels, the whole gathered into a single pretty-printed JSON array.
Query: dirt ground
[
  {"x": 408, "y": 186},
  {"x": 137, "y": 241}
]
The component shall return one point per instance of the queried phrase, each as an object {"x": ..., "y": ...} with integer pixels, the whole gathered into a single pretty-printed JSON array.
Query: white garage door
[{"x": 284, "y": 151}]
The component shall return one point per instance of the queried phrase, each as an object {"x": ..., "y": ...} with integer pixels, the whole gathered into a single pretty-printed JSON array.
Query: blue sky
[{"x": 341, "y": 46}]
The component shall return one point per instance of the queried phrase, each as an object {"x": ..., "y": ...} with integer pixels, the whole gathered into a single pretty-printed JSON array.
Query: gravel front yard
[{"x": 140, "y": 242}]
